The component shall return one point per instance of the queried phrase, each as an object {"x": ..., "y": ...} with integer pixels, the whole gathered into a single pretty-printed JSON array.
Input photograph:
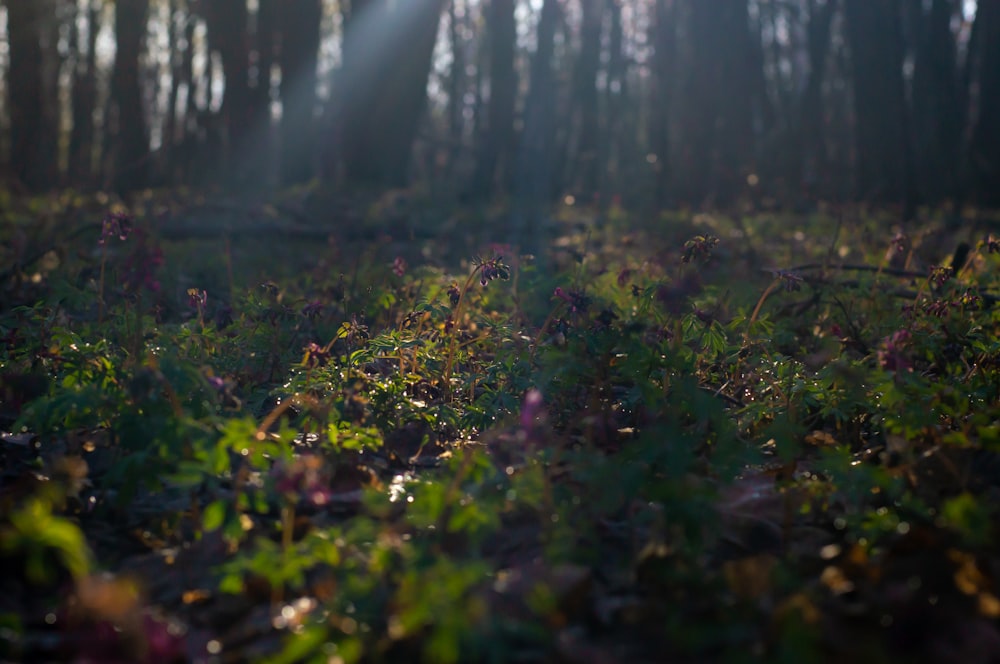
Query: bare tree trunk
[
  {"x": 937, "y": 115},
  {"x": 494, "y": 152},
  {"x": 300, "y": 38},
  {"x": 383, "y": 87},
  {"x": 583, "y": 176},
  {"x": 811, "y": 157},
  {"x": 717, "y": 103},
  {"x": 884, "y": 160},
  {"x": 664, "y": 45},
  {"x": 128, "y": 111},
  {"x": 985, "y": 145},
  {"x": 25, "y": 21},
  {"x": 228, "y": 25},
  {"x": 84, "y": 101},
  {"x": 533, "y": 178}
]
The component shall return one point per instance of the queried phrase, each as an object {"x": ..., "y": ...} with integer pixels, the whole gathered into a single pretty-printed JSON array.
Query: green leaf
[{"x": 214, "y": 516}]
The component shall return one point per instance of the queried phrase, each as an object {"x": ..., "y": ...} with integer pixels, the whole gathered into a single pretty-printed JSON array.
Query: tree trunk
[
  {"x": 811, "y": 157},
  {"x": 493, "y": 164},
  {"x": 84, "y": 100},
  {"x": 127, "y": 109},
  {"x": 882, "y": 146},
  {"x": 383, "y": 86},
  {"x": 718, "y": 88},
  {"x": 532, "y": 186},
  {"x": 228, "y": 26},
  {"x": 583, "y": 177},
  {"x": 937, "y": 114},
  {"x": 300, "y": 38},
  {"x": 24, "y": 25},
  {"x": 664, "y": 53},
  {"x": 985, "y": 145}
]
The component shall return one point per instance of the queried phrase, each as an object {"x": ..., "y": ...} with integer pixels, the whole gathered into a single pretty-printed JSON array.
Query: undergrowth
[{"x": 699, "y": 442}]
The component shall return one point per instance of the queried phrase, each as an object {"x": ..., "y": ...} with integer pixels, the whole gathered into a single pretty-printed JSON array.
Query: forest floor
[{"x": 384, "y": 434}]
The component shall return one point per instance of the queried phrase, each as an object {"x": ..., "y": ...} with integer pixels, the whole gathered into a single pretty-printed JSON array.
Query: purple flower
[
  {"x": 399, "y": 266},
  {"x": 577, "y": 301},
  {"x": 532, "y": 414},
  {"x": 312, "y": 309},
  {"x": 141, "y": 265},
  {"x": 115, "y": 224},
  {"x": 454, "y": 295},
  {"x": 991, "y": 243},
  {"x": 939, "y": 274},
  {"x": 699, "y": 247},
  {"x": 197, "y": 299},
  {"x": 890, "y": 355},
  {"x": 491, "y": 269},
  {"x": 315, "y": 355},
  {"x": 305, "y": 477}
]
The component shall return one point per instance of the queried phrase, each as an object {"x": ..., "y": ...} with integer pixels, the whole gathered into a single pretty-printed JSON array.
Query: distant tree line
[{"x": 643, "y": 102}]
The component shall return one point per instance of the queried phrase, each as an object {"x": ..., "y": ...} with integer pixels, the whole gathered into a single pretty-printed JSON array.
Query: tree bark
[
  {"x": 24, "y": 25},
  {"x": 882, "y": 147},
  {"x": 493, "y": 164},
  {"x": 383, "y": 87},
  {"x": 128, "y": 125},
  {"x": 300, "y": 39},
  {"x": 583, "y": 178},
  {"x": 985, "y": 145},
  {"x": 228, "y": 26},
  {"x": 534, "y": 171},
  {"x": 84, "y": 100},
  {"x": 664, "y": 54}
]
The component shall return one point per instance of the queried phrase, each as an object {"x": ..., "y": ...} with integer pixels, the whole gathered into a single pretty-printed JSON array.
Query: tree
[
  {"x": 534, "y": 165},
  {"x": 228, "y": 35},
  {"x": 984, "y": 152},
  {"x": 29, "y": 165},
  {"x": 716, "y": 116},
  {"x": 84, "y": 95},
  {"x": 128, "y": 114},
  {"x": 936, "y": 94},
  {"x": 664, "y": 53},
  {"x": 382, "y": 87},
  {"x": 881, "y": 118},
  {"x": 300, "y": 39},
  {"x": 493, "y": 163}
]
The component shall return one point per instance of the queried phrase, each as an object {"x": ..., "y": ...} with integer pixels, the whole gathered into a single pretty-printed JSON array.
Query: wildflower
[
  {"x": 399, "y": 266},
  {"x": 355, "y": 330},
  {"x": 141, "y": 265},
  {"x": 312, "y": 309},
  {"x": 939, "y": 274},
  {"x": 491, "y": 269},
  {"x": 938, "y": 308},
  {"x": 577, "y": 301},
  {"x": 115, "y": 224},
  {"x": 700, "y": 247},
  {"x": 454, "y": 294},
  {"x": 305, "y": 478},
  {"x": 898, "y": 242},
  {"x": 971, "y": 300},
  {"x": 197, "y": 299},
  {"x": 315, "y": 355},
  {"x": 890, "y": 355},
  {"x": 991, "y": 243},
  {"x": 532, "y": 414}
]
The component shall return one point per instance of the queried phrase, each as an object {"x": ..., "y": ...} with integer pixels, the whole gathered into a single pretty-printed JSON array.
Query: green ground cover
[{"x": 687, "y": 439}]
